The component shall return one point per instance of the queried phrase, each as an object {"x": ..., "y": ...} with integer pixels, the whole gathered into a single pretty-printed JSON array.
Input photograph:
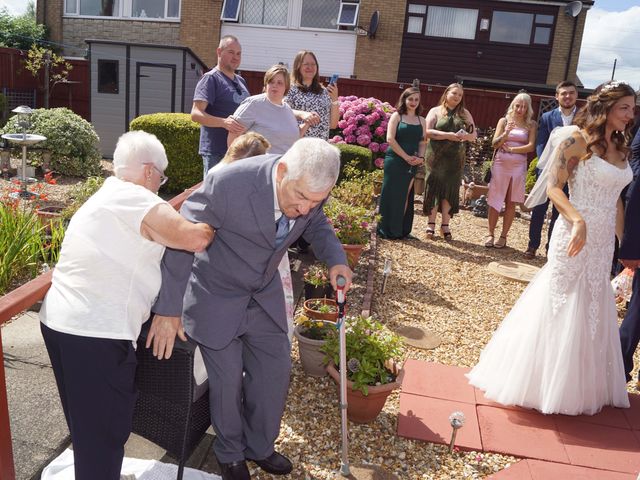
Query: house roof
[{"x": 150, "y": 45}]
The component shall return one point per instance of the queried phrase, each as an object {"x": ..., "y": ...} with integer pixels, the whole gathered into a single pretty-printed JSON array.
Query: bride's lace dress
[{"x": 558, "y": 350}]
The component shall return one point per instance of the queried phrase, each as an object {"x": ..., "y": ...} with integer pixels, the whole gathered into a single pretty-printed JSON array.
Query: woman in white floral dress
[{"x": 558, "y": 350}]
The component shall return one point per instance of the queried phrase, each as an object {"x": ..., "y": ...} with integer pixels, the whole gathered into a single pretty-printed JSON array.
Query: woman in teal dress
[
  {"x": 406, "y": 139},
  {"x": 449, "y": 125}
]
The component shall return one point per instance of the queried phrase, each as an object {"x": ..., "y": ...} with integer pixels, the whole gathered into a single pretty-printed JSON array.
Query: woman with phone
[
  {"x": 515, "y": 137},
  {"x": 448, "y": 125},
  {"x": 406, "y": 138},
  {"x": 309, "y": 95}
]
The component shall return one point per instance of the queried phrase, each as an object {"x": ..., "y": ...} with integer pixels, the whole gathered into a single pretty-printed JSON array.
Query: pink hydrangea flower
[
  {"x": 374, "y": 147},
  {"x": 363, "y": 140},
  {"x": 351, "y": 139},
  {"x": 383, "y": 147},
  {"x": 379, "y": 131},
  {"x": 379, "y": 162}
]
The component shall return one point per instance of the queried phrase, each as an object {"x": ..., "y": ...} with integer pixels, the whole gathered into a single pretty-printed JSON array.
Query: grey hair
[
  {"x": 226, "y": 40},
  {"x": 316, "y": 160},
  {"x": 137, "y": 148}
]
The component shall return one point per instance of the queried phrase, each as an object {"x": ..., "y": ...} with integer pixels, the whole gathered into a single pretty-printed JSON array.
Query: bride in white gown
[{"x": 558, "y": 350}]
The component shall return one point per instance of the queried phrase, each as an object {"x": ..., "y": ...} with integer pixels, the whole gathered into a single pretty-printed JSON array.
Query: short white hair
[
  {"x": 137, "y": 148},
  {"x": 314, "y": 159}
]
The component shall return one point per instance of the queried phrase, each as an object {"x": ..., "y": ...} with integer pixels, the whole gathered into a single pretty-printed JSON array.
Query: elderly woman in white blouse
[{"x": 102, "y": 290}]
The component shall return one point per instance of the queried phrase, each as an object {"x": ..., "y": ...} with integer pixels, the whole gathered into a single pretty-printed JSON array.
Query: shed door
[{"x": 155, "y": 88}]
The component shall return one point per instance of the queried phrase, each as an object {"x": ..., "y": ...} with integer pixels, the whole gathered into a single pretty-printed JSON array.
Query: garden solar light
[
  {"x": 385, "y": 273},
  {"x": 456, "y": 419}
]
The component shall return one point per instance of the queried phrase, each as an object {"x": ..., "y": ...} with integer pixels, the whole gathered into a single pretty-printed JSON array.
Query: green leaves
[
  {"x": 369, "y": 345},
  {"x": 21, "y": 31}
]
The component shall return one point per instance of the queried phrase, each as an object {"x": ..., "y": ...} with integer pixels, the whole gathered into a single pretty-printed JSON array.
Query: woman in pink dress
[{"x": 515, "y": 137}]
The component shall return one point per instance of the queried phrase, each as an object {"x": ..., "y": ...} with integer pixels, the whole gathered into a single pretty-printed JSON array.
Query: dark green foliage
[
  {"x": 21, "y": 31},
  {"x": 359, "y": 157},
  {"x": 180, "y": 136}
]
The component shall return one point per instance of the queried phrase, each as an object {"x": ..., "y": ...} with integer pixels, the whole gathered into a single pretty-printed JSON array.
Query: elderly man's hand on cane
[
  {"x": 343, "y": 270},
  {"x": 163, "y": 334}
]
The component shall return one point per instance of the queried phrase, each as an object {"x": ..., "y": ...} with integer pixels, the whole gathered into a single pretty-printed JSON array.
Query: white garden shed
[{"x": 132, "y": 79}]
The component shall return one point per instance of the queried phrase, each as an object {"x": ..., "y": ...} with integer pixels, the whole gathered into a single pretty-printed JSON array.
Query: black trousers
[{"x": 95, "y": 378}]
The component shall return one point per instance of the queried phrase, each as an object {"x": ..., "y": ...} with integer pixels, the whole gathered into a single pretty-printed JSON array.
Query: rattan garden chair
[{"x": 171, "y": 411}]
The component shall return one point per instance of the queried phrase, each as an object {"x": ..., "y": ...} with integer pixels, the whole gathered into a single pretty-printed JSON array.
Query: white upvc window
[
  {"x": 317, "y": 14},
  {"x": 138, "y": 9},
  {"x": 451, "y": 22}
]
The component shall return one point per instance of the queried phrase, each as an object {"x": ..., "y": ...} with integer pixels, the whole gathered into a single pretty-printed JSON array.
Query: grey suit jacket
[{"x": 212, "y": 289}]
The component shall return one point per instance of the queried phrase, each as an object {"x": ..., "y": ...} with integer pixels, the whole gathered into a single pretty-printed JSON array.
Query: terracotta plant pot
[
  {"x": 353, "y": 254},
  {"x": 311, "y": 358},
  {"x": 418, "y": 184},
  {"x": 312, "y": 291},
  {"x": 377, "y": 187},
  {"x": 366, "y": 408},
  {"x": 317, "y": 315}
]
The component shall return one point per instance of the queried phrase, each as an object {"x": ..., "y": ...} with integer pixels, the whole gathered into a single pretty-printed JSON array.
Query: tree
[
  {"x": 20, "y": 31},
  {"x": 56, "y": 68}
]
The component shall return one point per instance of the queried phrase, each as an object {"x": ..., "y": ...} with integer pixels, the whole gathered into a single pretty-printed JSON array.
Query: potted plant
[
  {"x": 311, "y": 335},
  {"x": 316, "y": 281},
  {"x": 321, "y": 309},
  {"x": 352, "y": 225},
  {"x": 378, "y": 176},
  {"x": 372, "y": 372}
]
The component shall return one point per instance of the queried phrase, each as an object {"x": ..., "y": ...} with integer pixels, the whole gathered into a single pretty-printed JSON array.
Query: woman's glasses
[{"x": 163, "y": 177}]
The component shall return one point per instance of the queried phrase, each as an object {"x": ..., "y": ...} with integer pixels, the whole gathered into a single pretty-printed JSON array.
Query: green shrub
[
  {"x": 72, "y": 141},
  {"x": 531, "y": 175},
  {"x": 20, "y": 31},
  {"x": 80, "y": 194},
  {"x": 180, "y": 136},
  {"x": 356, "y": 156}
]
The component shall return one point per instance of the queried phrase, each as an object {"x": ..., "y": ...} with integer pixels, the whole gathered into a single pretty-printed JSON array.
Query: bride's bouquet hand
[{"x": 578, "y": 238}]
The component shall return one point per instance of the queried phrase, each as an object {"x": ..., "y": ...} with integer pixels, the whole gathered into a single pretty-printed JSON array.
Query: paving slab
[
  {"x": 522, "y": 434},
  {"x": 38, "y": 428},
  {"x": 438, "y": 381},
  {"x": 515, "y": 471},
  {"x": 482, "y": 400},
  {"x": 530, "y": 469},
  {"x": 599, "y": 446},
  {"x": 608, "y": 417},
  {"x": 426, "y": 418},
  {"x": 633, "y": 414}
]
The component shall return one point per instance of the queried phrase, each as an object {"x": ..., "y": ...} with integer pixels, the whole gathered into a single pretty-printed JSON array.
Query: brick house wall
[
  {"x": 200, "y": 28},
  {"x": 561, "y": 46},
  {"x": 49, "y": 12},
  {"x": 378, "y": 58}
]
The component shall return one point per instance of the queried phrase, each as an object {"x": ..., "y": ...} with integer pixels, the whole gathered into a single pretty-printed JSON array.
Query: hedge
[
  {"x": 359, "y": 157},
  {"x": 531, "y": 175},
  {"x": 180, "y": 136}
]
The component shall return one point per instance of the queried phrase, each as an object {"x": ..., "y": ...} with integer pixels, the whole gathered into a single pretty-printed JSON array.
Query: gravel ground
[{"x": 445, "y": 288}]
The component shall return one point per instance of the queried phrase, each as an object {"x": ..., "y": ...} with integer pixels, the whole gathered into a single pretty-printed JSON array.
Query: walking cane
[{"x": 341, "y": 301}]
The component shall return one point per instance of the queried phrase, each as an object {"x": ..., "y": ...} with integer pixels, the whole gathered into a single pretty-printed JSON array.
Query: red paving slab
[
  {"x": 426, "y": 418},
  {"x": 605, "y": 446},
  {"x": 523, "y": 434},
  {"x": 599, "y": 446},
  {"x": 438, "y": 381},
  {"x": 539, "y": 470},
  {"x": 515, "y": 471},
  {"x": 633, "y": 414}
]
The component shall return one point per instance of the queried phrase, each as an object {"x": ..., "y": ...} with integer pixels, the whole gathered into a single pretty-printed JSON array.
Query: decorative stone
[
  {"x": 418, "y": 337},
  {"x": 520, "y": 272}
]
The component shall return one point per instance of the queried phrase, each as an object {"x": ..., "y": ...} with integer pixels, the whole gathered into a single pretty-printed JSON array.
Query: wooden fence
[{"x": 22, "y": 87}]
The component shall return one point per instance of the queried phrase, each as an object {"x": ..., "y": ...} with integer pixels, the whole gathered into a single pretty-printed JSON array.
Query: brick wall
[
  {"x": 200, "y": 28},
  {"x": 49, "y": 12},
  {"x": 77, "y": 30},
  {"x": 378, "y": 58},
  {"x": 561, "y": 46}
]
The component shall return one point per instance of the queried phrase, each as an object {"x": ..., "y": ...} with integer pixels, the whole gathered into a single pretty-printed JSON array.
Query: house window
[
  {"x": 320, "y": 14},
  {"x": 348, "y": 16},
  {"x": 325, "y": 14},
  {"x": 151, "y": 9},
  {"x": 265, "y": 12},
  {"x": 416, "y": 16},
  {"x": 521, "y": 28},
  {"x": 451, "y": 22},
  {"x": 108, "y": 76}
]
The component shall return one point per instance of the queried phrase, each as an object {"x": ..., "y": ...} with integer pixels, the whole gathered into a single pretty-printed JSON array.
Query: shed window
[
  {"x": 108, "y": 76},
  {"x": 451, "y": 22}
]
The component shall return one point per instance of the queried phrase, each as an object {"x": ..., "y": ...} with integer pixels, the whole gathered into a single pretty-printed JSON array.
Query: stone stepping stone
[{"x": 520, "y": 272}]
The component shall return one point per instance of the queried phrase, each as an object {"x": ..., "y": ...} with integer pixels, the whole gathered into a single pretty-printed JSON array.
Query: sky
[{"x": 611, "y": 32}]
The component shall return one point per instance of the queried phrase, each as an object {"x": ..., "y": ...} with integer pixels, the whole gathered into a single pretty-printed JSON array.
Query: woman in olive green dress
[
  {"x": 449, "y": 125},
  {"x": 405, "y": 136}
]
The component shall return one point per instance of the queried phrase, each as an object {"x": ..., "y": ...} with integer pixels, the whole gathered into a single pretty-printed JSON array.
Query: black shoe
[
  {"x": 234, "y": 470},
  {"x": 275, "y": 464}
]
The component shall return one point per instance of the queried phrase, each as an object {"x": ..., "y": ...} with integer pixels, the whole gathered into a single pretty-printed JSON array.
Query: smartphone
[
  {"x": 462, "y": 131},
  {"x": 334, "y": 79}
]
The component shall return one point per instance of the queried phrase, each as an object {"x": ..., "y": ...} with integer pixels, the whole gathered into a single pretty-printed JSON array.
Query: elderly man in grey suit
[{"x": 231, "y": 297}]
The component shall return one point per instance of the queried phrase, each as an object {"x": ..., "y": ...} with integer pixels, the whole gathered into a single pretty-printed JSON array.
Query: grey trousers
[{"x": 248, "y": 384}]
